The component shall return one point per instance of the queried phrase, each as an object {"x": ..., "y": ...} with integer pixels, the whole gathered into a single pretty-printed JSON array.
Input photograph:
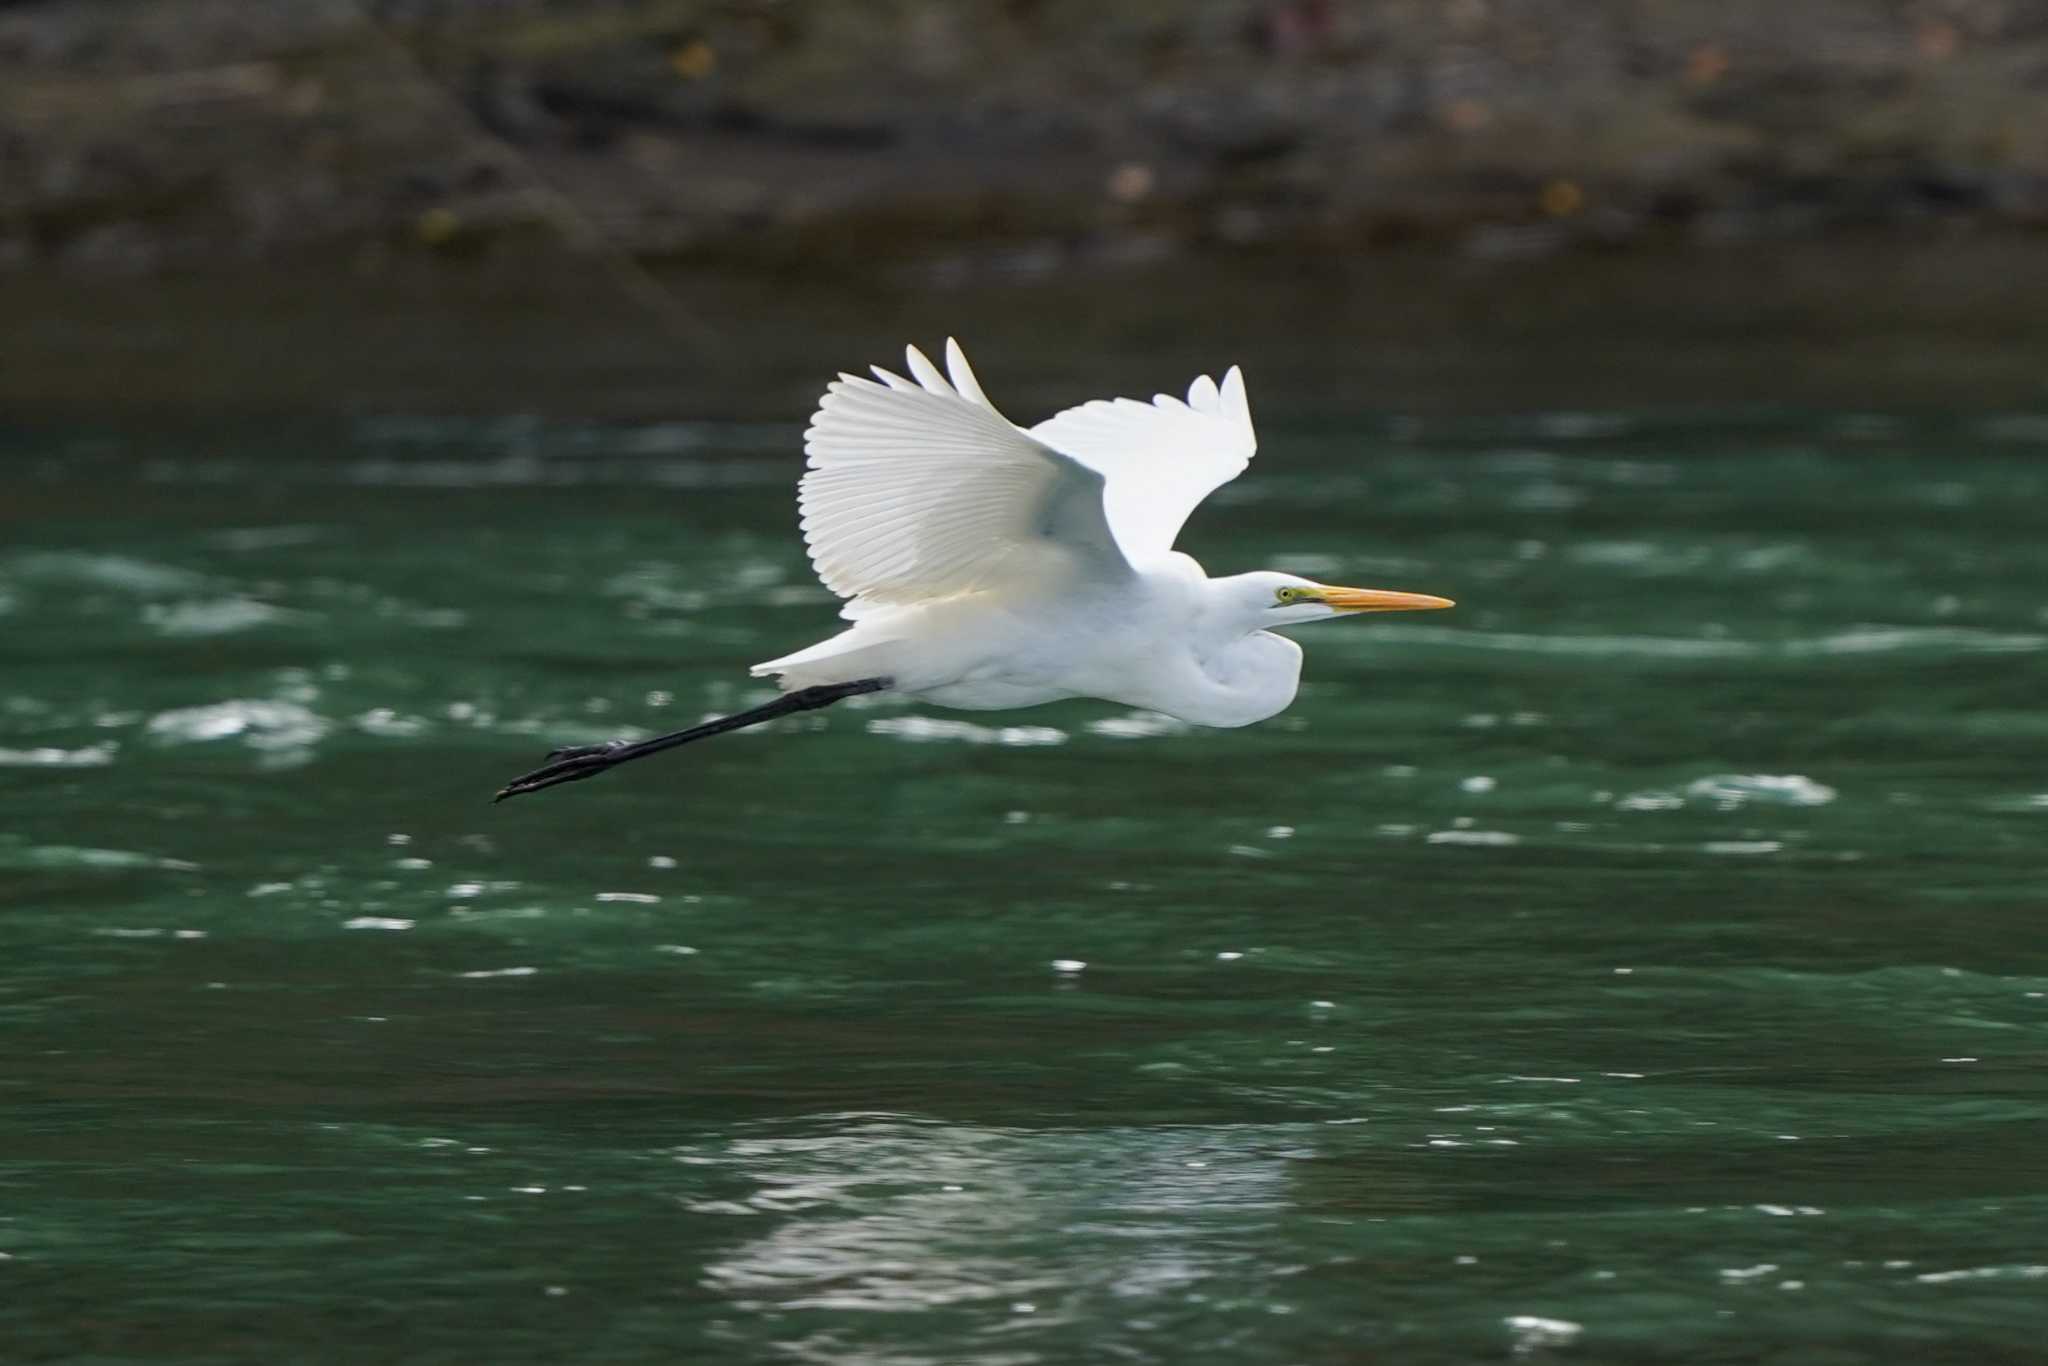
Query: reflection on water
[{"x": 1637, "y": 968}]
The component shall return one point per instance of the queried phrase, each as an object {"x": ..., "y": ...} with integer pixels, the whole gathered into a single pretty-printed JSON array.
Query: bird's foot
[{"x": 570, "y": 763}]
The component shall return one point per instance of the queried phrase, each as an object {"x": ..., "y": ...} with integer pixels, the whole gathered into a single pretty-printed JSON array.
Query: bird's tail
[{"x": 849, "y": 655}]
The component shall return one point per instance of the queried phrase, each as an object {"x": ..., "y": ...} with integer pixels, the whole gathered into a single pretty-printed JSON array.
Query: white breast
[{"x": 1249, "y": 680}]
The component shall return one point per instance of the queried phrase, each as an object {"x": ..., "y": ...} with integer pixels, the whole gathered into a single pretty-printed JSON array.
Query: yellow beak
[{"x": 1381, "y": 600}]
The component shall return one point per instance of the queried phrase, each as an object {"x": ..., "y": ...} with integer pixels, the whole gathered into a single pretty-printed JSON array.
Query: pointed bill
[{"x": 1382, "y": 600}]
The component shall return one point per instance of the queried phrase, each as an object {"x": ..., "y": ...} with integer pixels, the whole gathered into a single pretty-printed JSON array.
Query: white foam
[
  {"x": 1731, "y": 790},
  {"x": 261, "y": 723},
  {"x": 1138, "y": 725},
  {"x": 1533, "y": 1332},
  {"x": 930, "y": 729},
  {"x": 46, "y": 756},
  {"x": 212, "y": 617}
]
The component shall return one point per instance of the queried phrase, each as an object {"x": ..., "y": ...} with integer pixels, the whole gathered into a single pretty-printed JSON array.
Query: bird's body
[
  {"x": 987, "y": 567},
  {"x": 1152, "y": 641}
]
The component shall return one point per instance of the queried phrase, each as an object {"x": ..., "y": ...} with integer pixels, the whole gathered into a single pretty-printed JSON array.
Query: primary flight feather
[{"x": 987, "y": 565}]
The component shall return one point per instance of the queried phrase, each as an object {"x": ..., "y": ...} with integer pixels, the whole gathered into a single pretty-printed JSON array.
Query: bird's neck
[
  {"x": 1248, "y": 673},
  {"x": 1222, "y": 617},
  {"x": 1252, "y": 677}
]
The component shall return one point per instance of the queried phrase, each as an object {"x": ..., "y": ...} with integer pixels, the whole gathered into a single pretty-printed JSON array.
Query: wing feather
[
  {"x": 921, "y": 490},
  {"x": 1159, "y": 459}
]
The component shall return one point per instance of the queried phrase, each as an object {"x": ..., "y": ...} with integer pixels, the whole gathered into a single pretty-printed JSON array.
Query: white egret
[{"x": 991, "y": 566}]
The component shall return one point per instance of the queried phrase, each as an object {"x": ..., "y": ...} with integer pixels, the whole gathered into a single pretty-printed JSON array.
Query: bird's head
[{"x": 1268, "y": 599}]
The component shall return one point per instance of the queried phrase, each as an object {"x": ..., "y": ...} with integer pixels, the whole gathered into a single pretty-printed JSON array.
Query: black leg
[{"x": 578, "y": 762}]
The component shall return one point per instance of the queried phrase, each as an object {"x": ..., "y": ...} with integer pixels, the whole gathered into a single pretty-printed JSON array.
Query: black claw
[
  {"x": 569, "y": 764},
  {"x": 561, "y": 771}
]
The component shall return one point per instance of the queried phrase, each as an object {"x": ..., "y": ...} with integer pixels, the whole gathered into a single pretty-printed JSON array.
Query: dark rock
[{"x": 220, "y": 128}]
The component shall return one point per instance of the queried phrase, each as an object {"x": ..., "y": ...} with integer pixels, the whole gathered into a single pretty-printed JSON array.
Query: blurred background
[
  {"x": 671, "y": 205},
  {"x": 1640, "y": 964}
]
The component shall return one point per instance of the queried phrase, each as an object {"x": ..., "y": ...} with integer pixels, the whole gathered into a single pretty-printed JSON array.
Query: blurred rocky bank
[
  {"x": 141, "y": 134},
  {"x": 649, "y": 205}
]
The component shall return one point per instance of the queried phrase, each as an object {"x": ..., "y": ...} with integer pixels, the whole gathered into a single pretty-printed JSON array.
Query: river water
[{"x": 1642, "y": 962}]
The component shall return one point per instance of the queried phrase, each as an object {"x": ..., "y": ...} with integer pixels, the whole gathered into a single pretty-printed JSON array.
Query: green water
[{"x": 1642, "y": 963}]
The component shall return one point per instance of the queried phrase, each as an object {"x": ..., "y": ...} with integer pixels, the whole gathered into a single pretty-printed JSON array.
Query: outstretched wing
[
  {"x": 1160, "y": 459},
  {"x": 923, "y": 490}
]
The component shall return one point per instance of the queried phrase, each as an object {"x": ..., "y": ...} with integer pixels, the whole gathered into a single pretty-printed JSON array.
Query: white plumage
[
  {"x": 989, "y": 566},
  {"x": 1160, "y": 459},
  {"x": 919, "y": 493}
]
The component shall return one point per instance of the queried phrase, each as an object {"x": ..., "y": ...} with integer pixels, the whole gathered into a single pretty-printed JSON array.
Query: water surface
[{"x": 1640, "y": 963}]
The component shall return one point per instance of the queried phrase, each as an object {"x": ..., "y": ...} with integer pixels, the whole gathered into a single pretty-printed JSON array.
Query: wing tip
[
  {"x": 1232, "y": 396},
  {"x": 956, "y": 381},
  {"x": 963, "y": 375},
  {"x": 925, "y": 372}
]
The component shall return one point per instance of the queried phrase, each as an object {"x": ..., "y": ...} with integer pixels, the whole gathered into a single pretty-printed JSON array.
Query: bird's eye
[{"x": 1287, "y": 595}]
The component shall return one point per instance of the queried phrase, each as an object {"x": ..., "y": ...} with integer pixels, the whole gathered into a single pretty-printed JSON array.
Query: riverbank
[
  {"x": 197, "y": 133},
  {"x": 1946, "y": 321}
]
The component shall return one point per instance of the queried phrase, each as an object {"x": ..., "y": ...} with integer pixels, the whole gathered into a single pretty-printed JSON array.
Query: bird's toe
[{"x": 565, "y": 765}]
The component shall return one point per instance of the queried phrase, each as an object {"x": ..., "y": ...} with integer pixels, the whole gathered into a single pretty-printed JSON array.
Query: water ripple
[
  {"x": 49, "y": 756},
  {"x": 66, "y": 856},
  {"x": 214, "y": 617},
  {"x": 124, "y": 573},
  {"x": 926, "y": 729},
  {"x": 1731, "y": 790},
  {"x": 1859, "y": 641},
  {"x": 1889, "y": 639},
  {"x": 1139, "y": 725},
  {"x": 1659, "y": 647},
  {"x": 261, "y": 723}
]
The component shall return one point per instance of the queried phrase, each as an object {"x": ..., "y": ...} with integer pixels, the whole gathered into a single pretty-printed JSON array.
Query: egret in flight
[{"x": 989, "y": 566}]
